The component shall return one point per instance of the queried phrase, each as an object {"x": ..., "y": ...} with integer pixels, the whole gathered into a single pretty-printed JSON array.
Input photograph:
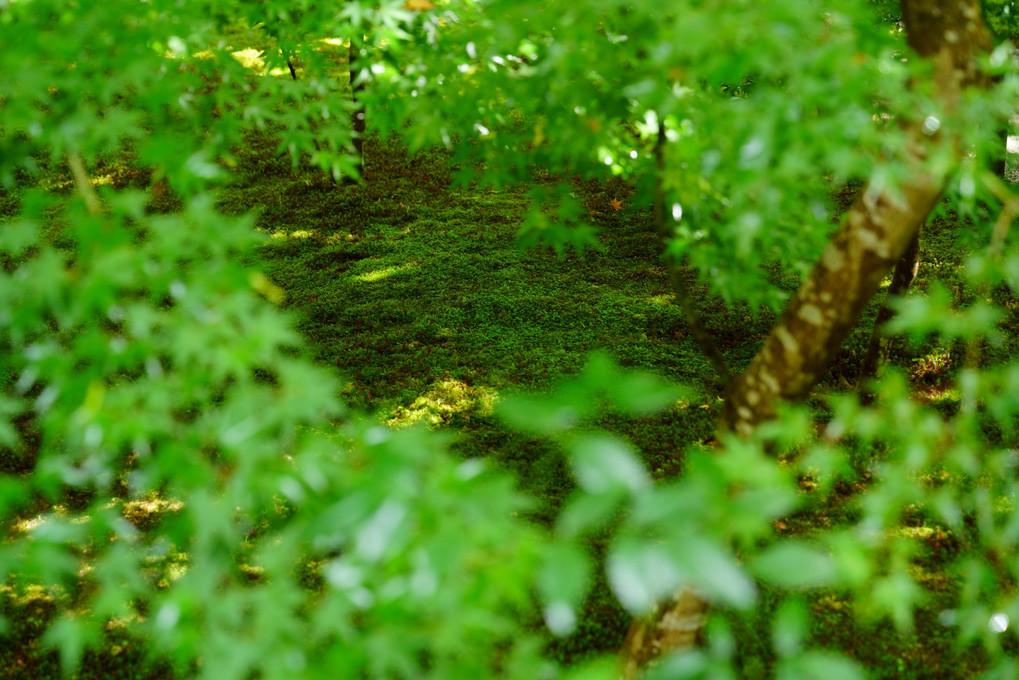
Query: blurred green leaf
[
  {"x": 796, "y": 565},
  {"x": 604, "y": 464},
  {"x": 716, "y": 573},
  {"x": 815, "y": 664},
  {"x": 586, "y": 513},
  {"x": 71, "y": 636},
  {"x": 790, "y": 626},
  {"x": 563, "y": 582},
  {"x": 641, "y": 574}
]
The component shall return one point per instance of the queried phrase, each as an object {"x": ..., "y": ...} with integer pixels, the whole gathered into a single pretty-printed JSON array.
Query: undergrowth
[{"x": 415, "y": 291}]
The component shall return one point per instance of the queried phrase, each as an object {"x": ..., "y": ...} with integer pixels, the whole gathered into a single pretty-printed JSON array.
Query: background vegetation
[{"x": 260, "y": 421}]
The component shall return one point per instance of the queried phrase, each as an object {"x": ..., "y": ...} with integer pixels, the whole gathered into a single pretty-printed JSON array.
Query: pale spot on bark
[
  {"x": 872, "y": 241},
  {"x": 681, "y": 622},
  {"x": 811, "y": 314},
  {"x": 753, "y": 397},
  {"x": 769, "y": 381},
  {"x": 787, "y": 340},
  {"x": 826, "y": 297},
  {"x": 870, "y": 196},
  {"x": 832, "y": 258},
  {"x": 744, "y": 412}
]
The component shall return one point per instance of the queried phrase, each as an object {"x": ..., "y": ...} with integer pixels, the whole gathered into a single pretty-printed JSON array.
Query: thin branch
[
  {"x": 1009, "y": 211},
  {"x": 880, "y": 343},
  {"x": 693, "y": 318},
  {"x": 83, "y": 184}
]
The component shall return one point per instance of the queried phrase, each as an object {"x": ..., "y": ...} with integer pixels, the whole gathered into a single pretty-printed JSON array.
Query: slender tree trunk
[
  {"x": 674, "y": 626},
  {"x": 1001, "y": 161},
  {"x": 358, "y": 117},
  {"x": 873, "y": 237},
  {"x": 693, "y": 318},
  {"x": 881, "y": 343}
]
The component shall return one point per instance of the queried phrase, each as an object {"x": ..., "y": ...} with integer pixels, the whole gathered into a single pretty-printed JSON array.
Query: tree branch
[{"x": 693, "y": 318}]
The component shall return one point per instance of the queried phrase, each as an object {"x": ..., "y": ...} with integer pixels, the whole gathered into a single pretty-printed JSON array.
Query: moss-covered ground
[{"x": 415, "y": 291}]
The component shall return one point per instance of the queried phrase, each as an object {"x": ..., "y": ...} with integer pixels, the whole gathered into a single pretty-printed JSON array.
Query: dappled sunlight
[
  {"x": 385, "y": 272},
  {"x": 932, "y": 377},
  {"x": 341, "y": 237},
  {"x": 253, "y": 59},
  {"x": 36, "y": 522},
  {"x": 296, "y": 233},
  {"x": 932, "y": 366},
  {"x": 250, "y": 58},
  {"x": 936, "y": 395},
  {"x": 26, "y": 525},
  {"x": 335, "y": 238},
  {"x": 142, "y": 513},
  {"x": 445, "y": 398},
  {"x": 28, "y": 595}
]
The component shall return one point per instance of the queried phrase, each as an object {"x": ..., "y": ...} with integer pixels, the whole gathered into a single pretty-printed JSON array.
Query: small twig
[
  {"x": 693, "y": 318},
  {"x": 1001, "y": 227},
  {"x": 1009, "y": 211},
  {"x": 880, "y": 344},
  {"x": 83, "y": 184}
]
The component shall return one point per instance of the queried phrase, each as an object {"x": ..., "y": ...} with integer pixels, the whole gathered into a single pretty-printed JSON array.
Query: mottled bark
[
  {"x": 873, "y": 237},
  {"x": 675, "y": 625},
  {"x": 698, "y": 331},
  {"x": 880, "y": 342}
]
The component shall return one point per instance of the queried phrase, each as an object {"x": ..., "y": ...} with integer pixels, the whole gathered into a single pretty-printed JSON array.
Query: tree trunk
[
  {"x": 880, "y": 343},
  {"x": 873, "y": 237}
]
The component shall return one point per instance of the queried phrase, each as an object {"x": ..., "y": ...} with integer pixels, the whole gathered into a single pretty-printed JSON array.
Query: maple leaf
[
  {"x": 418, "y": 5},
  {"x": 616, "y": 204}
]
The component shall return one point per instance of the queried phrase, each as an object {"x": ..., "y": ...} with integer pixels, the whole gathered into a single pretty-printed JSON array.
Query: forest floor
[{"x": 415, "y": 291}]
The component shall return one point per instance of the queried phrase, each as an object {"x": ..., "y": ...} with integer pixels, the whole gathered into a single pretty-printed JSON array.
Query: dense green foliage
[{"x": 182, "y": 478}]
